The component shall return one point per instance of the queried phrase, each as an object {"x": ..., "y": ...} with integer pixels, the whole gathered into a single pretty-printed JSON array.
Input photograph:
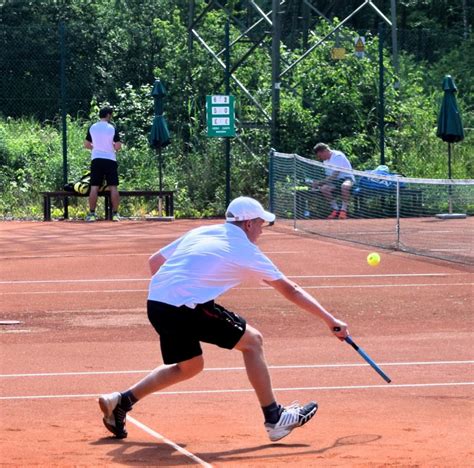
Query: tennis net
[{"x": 432, "y": 217}]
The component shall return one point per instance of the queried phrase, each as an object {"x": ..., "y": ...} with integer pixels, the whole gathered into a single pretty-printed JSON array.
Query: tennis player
[
  {"x": 336, "y": 182},
  {"x": 188, "y": 275},
  {"x": 103, "y": 140}
]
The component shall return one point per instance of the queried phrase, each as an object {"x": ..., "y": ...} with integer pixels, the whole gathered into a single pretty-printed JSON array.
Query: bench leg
[
  {"x": 46, "y": 208},
  {"x": 108, "y": 207},
  {"x": 171, "y": 207},
  {"x": 66, "y": 208}
]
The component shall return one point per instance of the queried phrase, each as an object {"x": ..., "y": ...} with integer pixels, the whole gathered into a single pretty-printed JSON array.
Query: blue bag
[{"x": 380, "y": 185}]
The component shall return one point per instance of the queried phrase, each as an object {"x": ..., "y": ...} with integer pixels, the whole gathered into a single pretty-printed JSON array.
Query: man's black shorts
[
  {"x": 181, "y": 329},
  {"x": 104, "y": 169}
]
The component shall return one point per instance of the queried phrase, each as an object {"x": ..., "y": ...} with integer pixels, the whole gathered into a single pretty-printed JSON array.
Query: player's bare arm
[
  {"x": 296, "y": 294},
  {"x": 155, "y": 262},
  {"x": 87, "y": 144},
  {"x": 326, "y": 180}
]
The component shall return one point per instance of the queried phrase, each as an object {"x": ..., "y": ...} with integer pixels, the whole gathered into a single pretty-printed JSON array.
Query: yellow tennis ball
[{"x": 373, "y": 259}]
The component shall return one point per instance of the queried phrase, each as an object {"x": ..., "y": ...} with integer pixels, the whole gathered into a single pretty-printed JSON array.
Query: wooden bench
[{"x": 61, "y": 194}]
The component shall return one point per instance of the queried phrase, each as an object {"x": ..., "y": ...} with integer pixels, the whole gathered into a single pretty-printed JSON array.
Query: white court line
[
  {"x": 241, "y": 368},
  {"x": 81, "y": 255},
  {"x": 450, "y": 250},
  {"x": 262, "y": 288},
  {"x": 116, "y": 280},
  {"x": 177, "y": 447},
  {"x": 249, "y": 390},
  {"x": 355, "y": 286}
]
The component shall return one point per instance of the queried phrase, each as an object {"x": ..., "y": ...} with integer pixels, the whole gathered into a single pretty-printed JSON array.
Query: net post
[
  {"x": 294, "y": 192},
  {"x": 398, "y": 214},
  {"x": 271, "y": 179}
]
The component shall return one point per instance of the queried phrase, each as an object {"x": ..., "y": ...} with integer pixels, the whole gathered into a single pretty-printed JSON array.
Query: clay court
[{"x": 79, "y": 293}]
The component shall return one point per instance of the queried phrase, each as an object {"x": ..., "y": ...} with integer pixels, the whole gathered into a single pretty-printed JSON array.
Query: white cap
[{"x": 244, "y": 208}]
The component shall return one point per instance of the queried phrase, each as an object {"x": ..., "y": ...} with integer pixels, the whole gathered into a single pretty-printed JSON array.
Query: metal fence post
[
  {"x": 294, "y": 191},
  {"x": 62, "y": 46},
  {"x": 398, "y": 201},
  {"x": 271, "y": 180},
  {"x": 381, "y": 95}
]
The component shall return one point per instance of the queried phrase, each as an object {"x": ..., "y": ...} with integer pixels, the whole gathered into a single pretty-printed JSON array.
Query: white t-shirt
[
  {"x": 339, "y": 159},
  {"x": 102, "y": 135},
  {"x": 205, "y": 263}
]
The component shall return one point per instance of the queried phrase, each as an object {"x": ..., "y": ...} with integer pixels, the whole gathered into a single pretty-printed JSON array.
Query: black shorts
[
  {"x": 104, "y": 169},
  {"x": 181, "y": 329}
]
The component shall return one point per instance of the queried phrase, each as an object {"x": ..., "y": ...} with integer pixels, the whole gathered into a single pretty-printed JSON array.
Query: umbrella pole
[
  {"x": 449, "y": 161},
  {"x": 450, "y": 203},
  {"x": 160, "y": 198}
]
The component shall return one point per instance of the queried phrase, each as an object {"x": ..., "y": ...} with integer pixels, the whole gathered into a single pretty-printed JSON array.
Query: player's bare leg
[
  {"x": 93, "y": 197},
  {"x": 115, "y": 405},
  {"x": 114, "y": 197},
  {"x": 327, "y": 191},
  {"x": 346, "y": 188},
  {"x": 167, "y": 375},
  {"x": 279, "y": 420},
  {"x": 251, "y": 346},
  {"x": 92, "y": 203}
]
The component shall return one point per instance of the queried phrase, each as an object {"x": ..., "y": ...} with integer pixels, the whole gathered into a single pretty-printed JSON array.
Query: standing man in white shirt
[
  {"x": 104, "y": 141},
  {"x": 335, "y": 181},
  {"x": 188, "y": 275}
]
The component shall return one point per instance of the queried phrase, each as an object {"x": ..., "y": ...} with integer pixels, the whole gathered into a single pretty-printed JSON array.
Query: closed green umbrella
[
  {"x": 159, "y": 134},
  {"x": 450, "y": 127}
]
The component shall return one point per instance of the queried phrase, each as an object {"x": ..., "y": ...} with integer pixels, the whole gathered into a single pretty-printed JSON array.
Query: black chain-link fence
[
  {"x": 42, "y": 72},
  {"x": 51, "y": 67},
  {"x": 428, "y": 45},
  {"x": 45, "y": 68}
]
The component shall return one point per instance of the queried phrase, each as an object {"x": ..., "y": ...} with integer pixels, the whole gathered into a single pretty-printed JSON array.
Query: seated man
[{"x": 334, "y": 181}]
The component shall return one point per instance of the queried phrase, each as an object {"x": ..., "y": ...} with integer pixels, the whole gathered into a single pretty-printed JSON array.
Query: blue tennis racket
[
  {"x": 367, "y": 358},
  {"x": 379, "y": 371}
]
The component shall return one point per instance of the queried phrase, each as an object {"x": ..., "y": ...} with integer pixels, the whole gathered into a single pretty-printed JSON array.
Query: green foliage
[{"x": 116, "y": 48}]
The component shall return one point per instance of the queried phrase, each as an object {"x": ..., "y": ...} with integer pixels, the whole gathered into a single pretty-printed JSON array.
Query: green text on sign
[{"x": 220, "y": 116}]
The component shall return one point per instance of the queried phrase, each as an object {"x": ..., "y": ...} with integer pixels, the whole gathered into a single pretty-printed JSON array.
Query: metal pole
[
  {"x": 398, "y": 214},
  {"x": 381, "y": 96},
  {"x": 294, "y": 192},
  {"x": 62, "y": 46},
  {"x": 160, "y": 177},
  {"x": 227, "y": 92},
  {"x": 160, "y": 169},
  {"x": 275, "y": 139},
  {"x": 190, "y": 26},
  {"x": 450, "y": 187},
  {"x": 449, "y": 161},
  {"x": 271, "y": 179},
  {"x": 393, "y": 10}
]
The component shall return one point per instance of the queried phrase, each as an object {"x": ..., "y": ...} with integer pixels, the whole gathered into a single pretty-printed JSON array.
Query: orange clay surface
[{"x": 79, "y": 291}]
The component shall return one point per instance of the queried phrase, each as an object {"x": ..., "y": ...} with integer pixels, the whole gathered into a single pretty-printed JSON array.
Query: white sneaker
[
  {"x": 114, "y": 414},
  {"x": 292, "y": 416}
]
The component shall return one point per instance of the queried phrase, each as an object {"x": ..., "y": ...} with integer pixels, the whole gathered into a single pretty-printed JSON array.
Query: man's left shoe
[
  {"x": 342, "y": 214},
  {"x": 292, "y": 416},
  {"x": 114, "y": 414}
]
